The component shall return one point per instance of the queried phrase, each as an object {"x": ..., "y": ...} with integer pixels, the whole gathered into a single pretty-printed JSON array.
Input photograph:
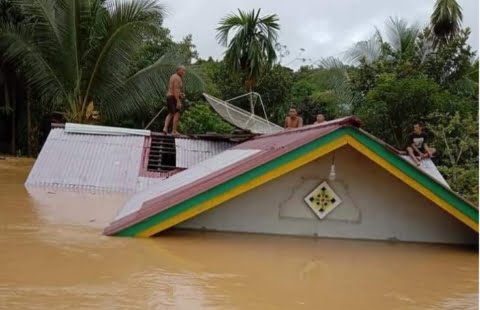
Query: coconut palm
[
  {"x": 73, "y": 53},
  {"x": 340, "y": 84},
  {"x": 251, "y": 49},
  {"x": 399, "y": 38},
  {"x": 446, "y": 20}
]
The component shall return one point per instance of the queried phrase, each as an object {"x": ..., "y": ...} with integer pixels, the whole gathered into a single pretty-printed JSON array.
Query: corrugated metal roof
[
  {"x": 192, "y": 151},
  {"x": 105, "y": 162},
  {"x": 103, "y": 130},
  {"x": 88, "y": 162}
]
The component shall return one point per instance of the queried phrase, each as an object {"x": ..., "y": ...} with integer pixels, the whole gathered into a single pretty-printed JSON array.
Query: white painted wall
[{"x": 376, "y": 205}]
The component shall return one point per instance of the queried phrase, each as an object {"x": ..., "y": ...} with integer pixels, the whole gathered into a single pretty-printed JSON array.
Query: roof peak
[{"x": 348, "y": 121}]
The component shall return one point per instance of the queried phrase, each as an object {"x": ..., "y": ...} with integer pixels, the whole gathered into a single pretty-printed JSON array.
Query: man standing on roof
[
  {"x": 417, "y": 147},
  {"x": 293, "y": 120},
  {"x": 174, "y": 100}
]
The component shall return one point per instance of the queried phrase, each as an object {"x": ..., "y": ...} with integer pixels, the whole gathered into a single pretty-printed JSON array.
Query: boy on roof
[
  {"x": 293, "y": 120},
  {"x": 417, "y": 147},
  {"x": 320, "y": 119}
]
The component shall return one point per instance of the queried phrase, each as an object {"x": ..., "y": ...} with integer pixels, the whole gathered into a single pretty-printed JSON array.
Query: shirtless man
[
  {"x": 174, "y": 100},
  {"x": 320, "y": 119},
  {"x": 293, "y": 120}
]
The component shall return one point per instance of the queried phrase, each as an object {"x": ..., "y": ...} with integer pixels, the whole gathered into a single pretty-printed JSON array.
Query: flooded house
[{"x": 330, "y": 180}]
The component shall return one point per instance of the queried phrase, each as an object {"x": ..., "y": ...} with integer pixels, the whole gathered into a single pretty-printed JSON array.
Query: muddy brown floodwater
[{"x": 53, "y": 256}]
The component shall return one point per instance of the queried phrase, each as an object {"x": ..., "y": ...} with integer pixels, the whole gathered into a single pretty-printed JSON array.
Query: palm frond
[
  {"x": 446, "y": 20},
  {"x": 332, "y": 63},
  {"x": 151, "y": 82},
  {"x": 369, "y": 50},
  {"x": 339, "y": 84},
  {"x": 424, "y": 48},
  {"x": 48, "y": 30},
  {"x": 122, "y": 33},
  {"x": 402, "y": 37},
  {"x": 228, "y": 24},
  {"x": 47, "y": 27},
  {"x": 252, "y": 43},
  {"x": 20, "y": 49}
]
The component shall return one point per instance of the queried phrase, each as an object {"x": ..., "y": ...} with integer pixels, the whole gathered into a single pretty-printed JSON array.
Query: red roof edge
[{"x": 352, "y": 121}]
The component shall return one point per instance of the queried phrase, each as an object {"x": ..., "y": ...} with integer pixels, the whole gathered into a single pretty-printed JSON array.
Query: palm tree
[
  {"x": 446, "y": 20},
  {"x": 399, "y": 38},
  {"x": 9, "y": 78},
  {"x": 251, "y": 50},
  {"x": 74, "y": 53},
  {"x": 339, "y": 83}
]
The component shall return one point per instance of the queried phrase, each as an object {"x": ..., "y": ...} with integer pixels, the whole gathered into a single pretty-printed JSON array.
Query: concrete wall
[{"x": 375, "y": 205}]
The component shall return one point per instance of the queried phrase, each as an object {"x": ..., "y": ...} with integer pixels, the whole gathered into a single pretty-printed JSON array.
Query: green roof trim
[
  {"x": 445, "y": 194},
  {"x": 424, "y": 179},
  {"x": 232, "y": 183}
]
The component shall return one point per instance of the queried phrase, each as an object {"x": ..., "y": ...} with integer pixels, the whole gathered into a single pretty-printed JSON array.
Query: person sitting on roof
[
  {"x": 293, "y": 120},
  {"x": 417, "y": 147},
  {"x": 320, "y": 119}
]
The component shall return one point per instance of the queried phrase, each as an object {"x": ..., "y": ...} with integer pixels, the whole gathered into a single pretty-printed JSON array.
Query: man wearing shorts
[
  {"x": 174, "y": 100},
  {"x": 417, "y": 147}
]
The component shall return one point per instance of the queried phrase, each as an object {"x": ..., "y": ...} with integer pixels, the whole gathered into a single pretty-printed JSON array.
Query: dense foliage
[{"x": 51, "y": 69}]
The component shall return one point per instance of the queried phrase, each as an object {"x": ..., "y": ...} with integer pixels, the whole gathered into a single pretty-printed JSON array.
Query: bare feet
[{"x": 176, "y": 133}]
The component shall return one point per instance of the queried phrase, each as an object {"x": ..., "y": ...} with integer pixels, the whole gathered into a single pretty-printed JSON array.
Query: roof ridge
[{"x": 343, "y": 122}]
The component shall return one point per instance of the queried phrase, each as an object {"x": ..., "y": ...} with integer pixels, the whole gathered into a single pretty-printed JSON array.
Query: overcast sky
[{"x": 322, "y": 28}]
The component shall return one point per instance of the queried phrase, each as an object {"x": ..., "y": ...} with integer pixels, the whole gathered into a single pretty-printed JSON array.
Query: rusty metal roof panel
[
  {"x": 193, "y": 151},
  {"x": 88, "y": 162}
]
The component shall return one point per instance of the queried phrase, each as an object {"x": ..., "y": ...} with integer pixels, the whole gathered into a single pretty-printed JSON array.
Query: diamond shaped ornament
[{"x": 322, "y": 200}]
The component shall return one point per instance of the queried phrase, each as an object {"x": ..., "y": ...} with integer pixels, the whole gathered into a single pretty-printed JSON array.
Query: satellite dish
[{"x": 241, "y": 118}]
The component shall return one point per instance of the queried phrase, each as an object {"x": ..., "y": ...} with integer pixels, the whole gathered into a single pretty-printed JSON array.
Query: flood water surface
[{"x": 53, "y": 256}]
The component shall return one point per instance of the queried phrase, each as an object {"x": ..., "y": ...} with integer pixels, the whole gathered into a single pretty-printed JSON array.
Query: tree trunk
[
  {"x": 13, "y": 101},
  {"x": 29, "y": 123}
]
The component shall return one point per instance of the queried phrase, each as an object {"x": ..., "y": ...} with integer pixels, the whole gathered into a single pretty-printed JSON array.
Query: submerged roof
[
  {"x": 265, "y": 158},
  {"x": 88, "y": 162},
  {"x": 98, "y": 158}
]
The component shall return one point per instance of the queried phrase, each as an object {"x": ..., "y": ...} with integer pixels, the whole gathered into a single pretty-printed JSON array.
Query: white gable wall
[{"x": 375, "y": 205}]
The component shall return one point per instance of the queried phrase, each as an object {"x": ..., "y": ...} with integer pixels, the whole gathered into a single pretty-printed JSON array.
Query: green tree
[
  {"x": 275, "y": 88},
  {"x": 453, "y": 61},
  {"x": 390, "y": 108},
  {"x": 73, "y": 53},
  {"x": 456, "y": 140},
  {"x": 200, "y": 119},
  {"x": 446, "y": 20},
  {"x": 11, "y": 86},
  {"x": 251, "y": 50}
]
